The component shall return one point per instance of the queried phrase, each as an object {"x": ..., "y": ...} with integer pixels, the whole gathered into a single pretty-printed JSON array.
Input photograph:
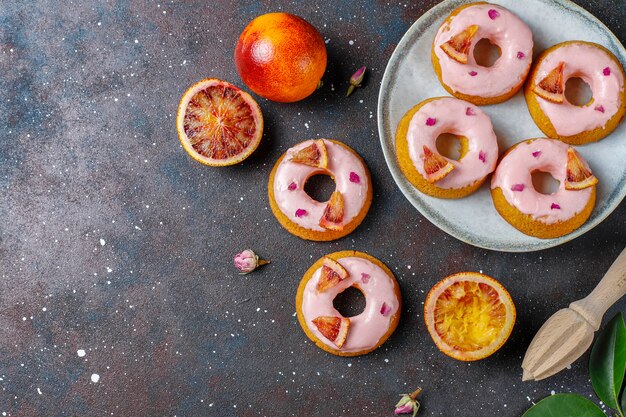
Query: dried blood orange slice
[
  {"x": 469, "y": 315},
  {"x": 333, "y": 213},
  {"x": 332, "y": 273},
  {"x": 218, "y": 124},
  {"x": 315, "y": 155},
  {"x": 435, "y": 166},
  {"x": 334, "y": 329},
  {"x": 577, "y": 175},
  {"x": 551, "y": 87},
  {"x": 458, "y": 47}
]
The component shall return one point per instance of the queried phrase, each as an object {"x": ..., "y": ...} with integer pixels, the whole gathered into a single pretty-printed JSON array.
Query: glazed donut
[
  {"x": 325, "y": 326},
  {"x": 453, "y": 53},
  {"x": 432, "y": 173},
  {"x": 545, "y": 92},
  {"x": 543, "y": 215},
  {"x": 313, "y": 220}
]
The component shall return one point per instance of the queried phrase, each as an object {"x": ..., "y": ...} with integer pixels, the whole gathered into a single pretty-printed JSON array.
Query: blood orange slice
[
  {"x": 577, "y": 175},
  {"x": 333, "y": 213},
  {"x": 469, "y": 315},
  {"x": 218, "y": 124},
  {"x": 458, "y": 47},
  {"x": 315, "y": 155},
  {"x": 551, "y": 87},
  {"x": 332, "y": 273},
  {"x": 334, "y": 329},
  {"x": 435, "y": 166}
]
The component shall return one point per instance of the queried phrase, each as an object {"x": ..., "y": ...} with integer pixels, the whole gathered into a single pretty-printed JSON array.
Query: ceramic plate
[{"x": 409, "y": 78}]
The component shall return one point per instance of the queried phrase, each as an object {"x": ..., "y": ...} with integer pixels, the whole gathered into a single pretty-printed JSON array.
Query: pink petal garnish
[
  {"x": 521, "y": 55},
  {"x": 493, "y": 13},
  {"x": 430, "y": 121},
  {"x": 470, "y": 112},
  {"x": 536, "y": 154},
  {"x": 606, "y": 71},
  {"x": 518, "y": 187},
  {"x": 301, "y": 213},
  {"x": 555, "y": 206},
  {"x": 600, "y": 108},
  {"x": 292, "y": 186},
  {"x": 354, "y": 177},
  {"x": 482, "y": 156},
  {"x": 365, "y": 278},
  {"x": 385, "y": 309},
  {"x": 473, "y": 73}
]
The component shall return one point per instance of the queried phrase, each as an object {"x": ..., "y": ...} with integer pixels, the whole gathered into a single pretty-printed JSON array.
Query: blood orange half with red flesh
[{"x": 218, "y": 124}]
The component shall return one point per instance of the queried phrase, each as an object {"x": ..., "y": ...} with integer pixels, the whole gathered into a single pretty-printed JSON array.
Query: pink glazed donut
[
  {"x": 549, "y": 106},
  {"x": 532, "y": 212},
  {"x": 417, "y": 154},
  {"x": 453, "y": 53}
]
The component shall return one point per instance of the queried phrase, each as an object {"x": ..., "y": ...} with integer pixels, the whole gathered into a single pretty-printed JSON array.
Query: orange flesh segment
[
  {"x": 577, "y": 176},
  {"x": 551, "y": 87},
  {"x": 458, "y": 46},
  {"x": 219, "y": 123},
  {"x": 332, "y": 273},
  {"x": 333, "y": 213},
  {"x": 435, "y": 166},
  {"x": 469, "y": 316},
  {"x": 314, "y": 155},
  {"x": 334, "y": 329}
]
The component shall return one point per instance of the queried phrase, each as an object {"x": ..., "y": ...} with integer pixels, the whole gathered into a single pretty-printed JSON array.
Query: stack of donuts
[{"x": 564, "y": 123}]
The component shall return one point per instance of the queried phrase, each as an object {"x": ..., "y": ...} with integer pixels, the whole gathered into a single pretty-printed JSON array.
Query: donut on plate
[
  {"x": 453, "y": 53},
  {"x": 548, "y": 105},
  {"x": 325, "y": 326},
  {"x": 432, "y": 173},
  {"x": 543, "y": 215},
  {"x": 313, "y": 220}
]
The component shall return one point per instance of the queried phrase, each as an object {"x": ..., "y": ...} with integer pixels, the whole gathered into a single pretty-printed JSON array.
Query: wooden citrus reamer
[{"x": 569, "y": 332}]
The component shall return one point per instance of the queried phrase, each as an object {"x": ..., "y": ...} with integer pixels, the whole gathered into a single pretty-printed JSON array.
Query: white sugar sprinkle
[
  {"x": 102, "y": 242},
  {"x": 80, "y": 353},
  {"x": 95, "y": 378}
]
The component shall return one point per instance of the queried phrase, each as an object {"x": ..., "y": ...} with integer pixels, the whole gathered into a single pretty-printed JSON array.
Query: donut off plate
[{"x": 409, "y": 78}]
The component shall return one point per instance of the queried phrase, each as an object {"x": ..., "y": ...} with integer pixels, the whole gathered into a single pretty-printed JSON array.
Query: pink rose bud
[
  {"x": 493, "y": 14},
  {"x": 408, "y": 404},
  {"x": 247, "y": 261},
  {"x": 404, "y": 409},
  {"x": 356, "y": 80}
]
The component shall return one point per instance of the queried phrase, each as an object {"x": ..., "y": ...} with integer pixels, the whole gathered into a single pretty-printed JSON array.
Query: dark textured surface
[{"x": 114, "y": 241}]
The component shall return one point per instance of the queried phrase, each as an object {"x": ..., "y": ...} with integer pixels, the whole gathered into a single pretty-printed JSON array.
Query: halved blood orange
[
  {"x": 334, "y": 329},
  {"x": 218, "y": 124},
  {"x": 469, "y": 315},
  {"x": 332, "y": 273},
  {"x": 435, "y": 166},
  {"x": 552, "y": 87},
  {"x": 577, "y": 175},
  {"x": 458, "y": 47},
  {"x": 332, "y": 219}
]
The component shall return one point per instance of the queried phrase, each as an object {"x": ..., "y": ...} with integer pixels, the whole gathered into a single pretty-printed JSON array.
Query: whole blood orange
[
  {"x": 469, "y": 315},
  {"x": 217, "y": 123},
  {"x": 281, "y": 57}
]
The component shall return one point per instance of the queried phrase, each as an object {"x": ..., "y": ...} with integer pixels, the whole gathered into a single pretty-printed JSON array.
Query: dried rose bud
[
  {"x": 408, "y": 403},
  {"x": 356, "y": 80},
  {"x": 247, "y": 261}
]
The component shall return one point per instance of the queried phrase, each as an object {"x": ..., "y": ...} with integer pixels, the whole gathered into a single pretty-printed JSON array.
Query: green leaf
[
  {"x": 623, "y": 401},
  {"x": 564, "y": 405},
  {"x": 608, "y": 362}
]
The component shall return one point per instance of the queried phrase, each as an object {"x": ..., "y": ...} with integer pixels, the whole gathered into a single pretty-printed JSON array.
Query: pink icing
[
  {"x": 516, "y": 168},
  {"x": 370, "y": 326},
  {"x": 341, "y": 165},
  {"x": 590, "y": 64},
  {"x": 507, "y": 31},
  {"x": 453, "y": 117}
]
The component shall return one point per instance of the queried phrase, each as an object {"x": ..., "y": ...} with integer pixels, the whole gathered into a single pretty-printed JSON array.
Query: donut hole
[
  {"x": 578, "y": 92},
  {"x": 350, "y": 302},
  {"x": 545, "y": 183},
  {"x": 319, "y": 187},
  {"x": 451, "y": 146},
  {"x": 486, "y": 53}
]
